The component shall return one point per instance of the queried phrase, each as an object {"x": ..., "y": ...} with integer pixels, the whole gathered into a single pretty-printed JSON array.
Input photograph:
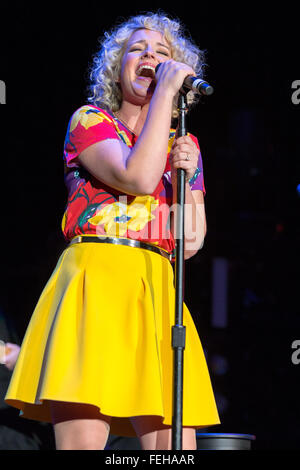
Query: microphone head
[
  {"x": 195, "y": 83},
  {"x": 208, "y": 90}
]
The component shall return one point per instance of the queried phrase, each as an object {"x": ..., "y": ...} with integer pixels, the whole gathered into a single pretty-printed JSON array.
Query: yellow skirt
[{"x": 101, "y": 334}]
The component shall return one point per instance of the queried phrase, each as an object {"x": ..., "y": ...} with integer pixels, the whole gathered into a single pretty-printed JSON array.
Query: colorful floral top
[{"x": 96, "y": 209}]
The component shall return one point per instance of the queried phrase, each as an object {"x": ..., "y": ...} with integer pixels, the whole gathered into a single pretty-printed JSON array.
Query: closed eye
[
  {"x": 163, "y": 53},
  {"x": 137, "y": 48}
]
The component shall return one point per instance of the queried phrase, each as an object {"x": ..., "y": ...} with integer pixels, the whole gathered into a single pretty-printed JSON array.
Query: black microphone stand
[{"x": 178, "y": 330}]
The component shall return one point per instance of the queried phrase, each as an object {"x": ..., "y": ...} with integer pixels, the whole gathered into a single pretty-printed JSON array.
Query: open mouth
[{"x": 146, "y": 71}]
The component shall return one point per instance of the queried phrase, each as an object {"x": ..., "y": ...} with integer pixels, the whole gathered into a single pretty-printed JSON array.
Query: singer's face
[{"x": 145, "y": 49}]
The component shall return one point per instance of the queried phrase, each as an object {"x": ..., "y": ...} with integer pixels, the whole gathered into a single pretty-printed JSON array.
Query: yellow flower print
[
  {"x": 118, "y": 217},
  {"x": 123, "y": 135},
  {"x": 171, "y": 140},
  {"x": 87, "y": 117}
]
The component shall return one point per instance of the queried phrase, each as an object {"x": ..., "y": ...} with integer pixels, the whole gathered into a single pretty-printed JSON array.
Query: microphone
[{"x": 197, "y": 84}]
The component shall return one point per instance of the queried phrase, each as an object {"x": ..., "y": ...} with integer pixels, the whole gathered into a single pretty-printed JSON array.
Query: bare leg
[
  {"x": 164, "y": 439},
  {"x": 154, "y": 435},
  {"x": 79, "y": 426},
  {"x": 146, "y": 430}
]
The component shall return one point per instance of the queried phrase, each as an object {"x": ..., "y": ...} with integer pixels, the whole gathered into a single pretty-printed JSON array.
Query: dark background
[{"x": 249, "y": 136}]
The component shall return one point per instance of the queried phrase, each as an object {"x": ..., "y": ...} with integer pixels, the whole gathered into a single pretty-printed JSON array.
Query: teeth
[{"x": 147, "y": 67}]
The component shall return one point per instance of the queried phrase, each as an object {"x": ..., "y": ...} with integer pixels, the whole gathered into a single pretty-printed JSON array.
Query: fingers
[
  {"x": 184, "y": 154},
  {"x": 171, "y": 75},
  {"x": 184, "y": 165},
  {"x": 186, "y": 140},
  {"x": 184, "y": 159},
  {"x": 183, "y": 147},
  {"x": 172, "y": 66},
  {"x": 182, "y": 151}
]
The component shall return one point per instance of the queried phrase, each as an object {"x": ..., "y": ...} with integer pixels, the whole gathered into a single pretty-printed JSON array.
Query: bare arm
[
  {"x": 195, "y": 218},
  {"x": 138, "y": 170}
]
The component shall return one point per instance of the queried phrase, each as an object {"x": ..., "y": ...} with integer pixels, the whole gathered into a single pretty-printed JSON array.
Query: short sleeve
[
  {"x": 87, "y": 126},
  {"x": 197, "y": 181}
]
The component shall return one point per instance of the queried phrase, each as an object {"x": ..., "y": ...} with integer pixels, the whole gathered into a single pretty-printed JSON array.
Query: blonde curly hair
[{"x": 106, "y": 66}]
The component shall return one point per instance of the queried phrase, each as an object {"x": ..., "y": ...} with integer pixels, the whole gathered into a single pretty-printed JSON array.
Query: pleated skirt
[{"x": 101, "y": 335}]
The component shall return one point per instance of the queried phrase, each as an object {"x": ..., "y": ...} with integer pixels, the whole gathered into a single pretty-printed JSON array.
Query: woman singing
[{"x": 97, "y": 355}]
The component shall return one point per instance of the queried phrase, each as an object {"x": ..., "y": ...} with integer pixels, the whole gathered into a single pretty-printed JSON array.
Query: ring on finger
[{"x": 188, "y": 157}]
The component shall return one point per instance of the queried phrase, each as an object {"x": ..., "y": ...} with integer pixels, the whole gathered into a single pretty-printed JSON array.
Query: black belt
[{"x": 121, "y": 241}]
